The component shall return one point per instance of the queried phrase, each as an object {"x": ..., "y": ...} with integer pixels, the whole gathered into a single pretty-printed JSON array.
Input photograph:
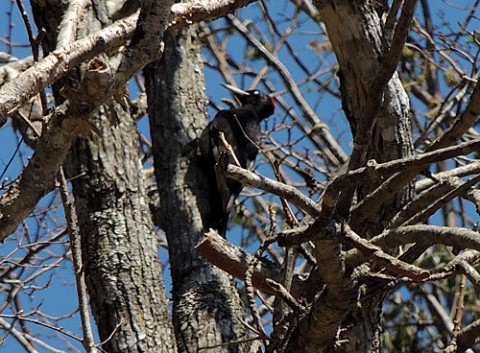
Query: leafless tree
[{"x": 356, "y": 231}]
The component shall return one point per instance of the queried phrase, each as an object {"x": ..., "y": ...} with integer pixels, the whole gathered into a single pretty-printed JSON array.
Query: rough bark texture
[
  {"x": 120, "y": 250},
  {"x": 206, "y": 308},
  {"x": 355, "y": 31}
]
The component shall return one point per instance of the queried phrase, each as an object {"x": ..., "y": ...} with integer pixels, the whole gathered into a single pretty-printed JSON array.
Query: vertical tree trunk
[
  {"x": 120, "y": 248},
  {"x": 355, "y": 31},
  {"x": 206, "y": 307},
  {"x": 120, "y": 251}
]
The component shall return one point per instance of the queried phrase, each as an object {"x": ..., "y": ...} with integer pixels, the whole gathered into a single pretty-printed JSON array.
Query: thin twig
[
  {"x": 22, "y": 338},
  {"x": 463, "y": 122},
  {"x": 229, "y": 148},
  {"x": 248, "y": 284},
  {"x": 72, "y": 226}
]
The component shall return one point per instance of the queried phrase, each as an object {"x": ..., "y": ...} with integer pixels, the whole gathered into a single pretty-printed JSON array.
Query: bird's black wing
[
  {"x": 242, "y": 131},
  {"x": 223, "y": 191}
]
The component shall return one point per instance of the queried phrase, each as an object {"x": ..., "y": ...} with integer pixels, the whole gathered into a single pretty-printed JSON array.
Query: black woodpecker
[{"x": 241, "y": 128}]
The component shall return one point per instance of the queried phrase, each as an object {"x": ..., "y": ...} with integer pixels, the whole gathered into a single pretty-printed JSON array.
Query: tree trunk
[
  {"x": 207, "y": 311},
  {"x": 355, "y": 31},
  {"x": 120, "y": 250}
]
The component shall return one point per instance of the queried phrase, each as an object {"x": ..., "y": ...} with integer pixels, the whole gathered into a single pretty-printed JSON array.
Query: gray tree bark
[
  {"x": 120, "y": 250},
  {"x": 207, "y": 311},
  {"x": 381, "y": 132}
]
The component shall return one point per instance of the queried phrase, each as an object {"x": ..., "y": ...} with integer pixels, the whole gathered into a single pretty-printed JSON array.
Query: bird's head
[{"x": 262, "y": 103}]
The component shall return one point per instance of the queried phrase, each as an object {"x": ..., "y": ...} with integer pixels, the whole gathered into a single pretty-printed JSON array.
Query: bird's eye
[{"x": 256, "y": 93}]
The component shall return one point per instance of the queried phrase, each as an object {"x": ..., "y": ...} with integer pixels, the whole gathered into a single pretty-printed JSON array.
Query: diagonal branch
[
  {"x": 398, "y": 42},
  {"x": 367, "y": 119},
  {"x": 285, "y": 191},
  {"x": 235, "y": 261},
  {"x": 24, "y": 193},
  {"x": 373, "y": 202},
  {"x": 382, "y": 258},
  {"x": 424, "y": 236},
  {"x": 76, "y": 249},
  {"x": 441, "y": 200},
  {"x": 66, "y": 123},
  {"x": 430, "y": 235},
  {"x": 463, "y": 122},
  {"x": 68, "y": 27},
  {"x": 201, "y": 10},
  {"x": 29, "y": 83},
  {"x": 18, "y": 91},
  {"x": 405, "y": 169}
]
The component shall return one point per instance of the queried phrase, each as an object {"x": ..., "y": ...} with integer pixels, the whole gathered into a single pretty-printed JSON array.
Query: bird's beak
[{"x": 235, "y": 90}]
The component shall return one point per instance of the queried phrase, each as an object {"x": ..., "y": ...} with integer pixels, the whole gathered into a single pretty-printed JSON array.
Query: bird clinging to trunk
[{"x": 241, "y": 128}]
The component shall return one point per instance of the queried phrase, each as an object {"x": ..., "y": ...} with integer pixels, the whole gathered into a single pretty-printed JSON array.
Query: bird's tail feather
[{"x": 222, "y": 224}]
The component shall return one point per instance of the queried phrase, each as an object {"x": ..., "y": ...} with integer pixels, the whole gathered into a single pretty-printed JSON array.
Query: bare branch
[
  {"x": 201, "y": 10},
  {"x": 375, "y": 200},
  {"x": 441, "y": 200},
  {"x": 462, "y": 238},
  {"x": 30, "y": 82},
  {"x": 392, "y": 57},
  {"x": 19, "y": 336},
  {"x": 385, "y": 260},
  {"x": 16, "y": 92},
  {"x": 468, "y": 169},
  {"x": 275, "y": 187},
  {"x": 463, "y": 122},
  {"x": 71, "y": 18},
  {"x": 235, "y": 261},
  {"x": 38, "y": 177}
]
